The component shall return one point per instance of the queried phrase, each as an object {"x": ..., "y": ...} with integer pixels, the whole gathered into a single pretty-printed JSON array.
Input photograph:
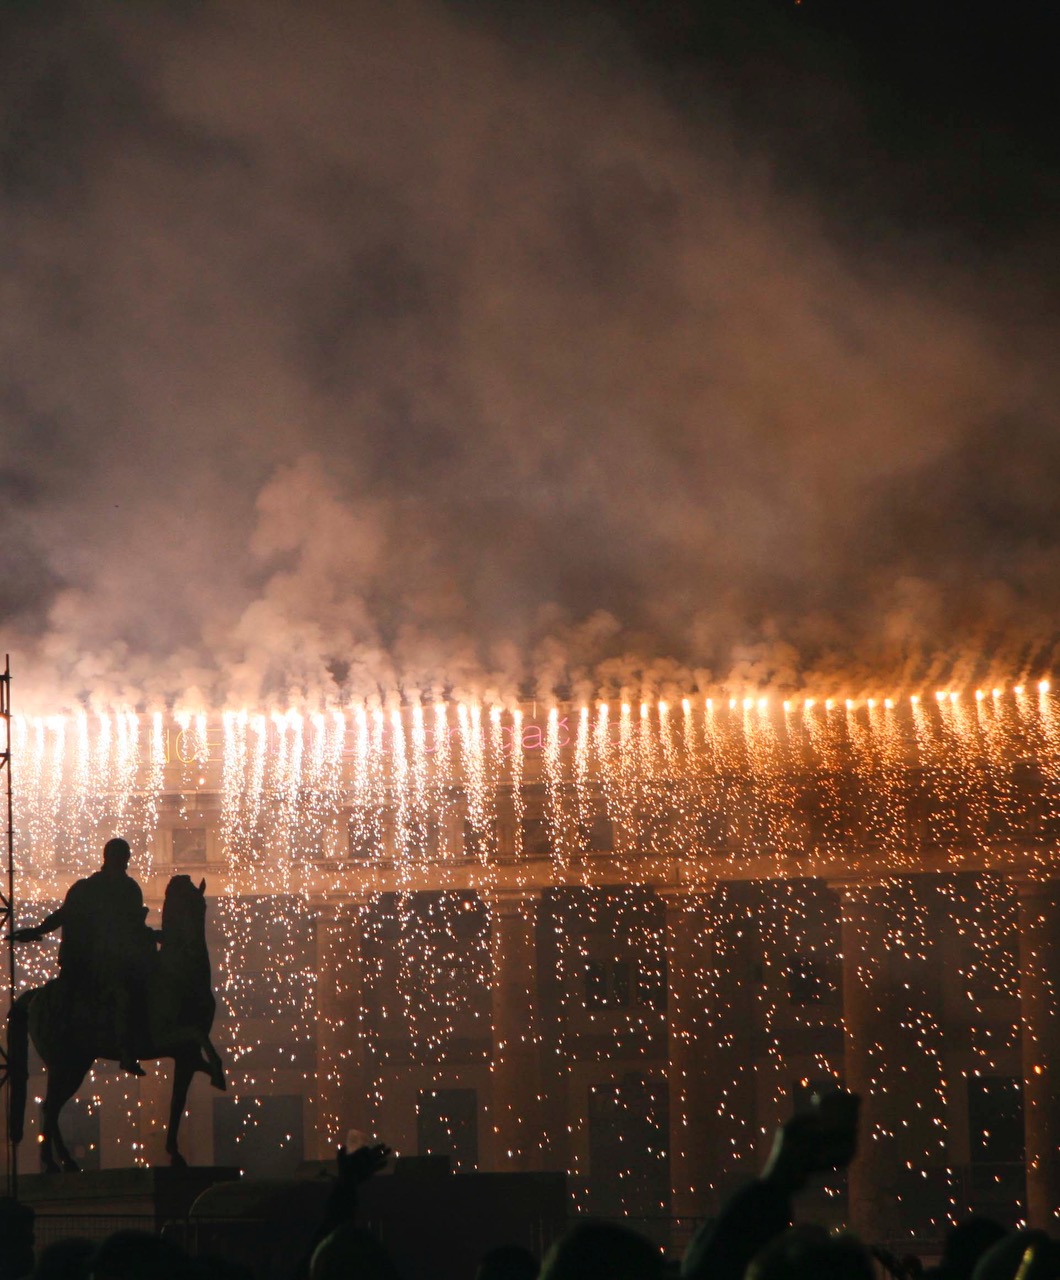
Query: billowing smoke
[{"x": 360, "y": 348}]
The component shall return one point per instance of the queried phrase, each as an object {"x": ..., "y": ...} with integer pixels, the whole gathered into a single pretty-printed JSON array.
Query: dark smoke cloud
[{"x": 348, "y": 348}]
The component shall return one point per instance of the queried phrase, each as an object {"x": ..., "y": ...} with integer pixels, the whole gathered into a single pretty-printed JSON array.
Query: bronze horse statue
[{"x": 180, "y": 1012}]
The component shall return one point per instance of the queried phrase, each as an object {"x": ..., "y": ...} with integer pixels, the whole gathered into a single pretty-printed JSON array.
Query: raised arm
[
  {"x": 34, "y": 933},
  {"x": 353, "y": 1168},
  {"x": 817, "y": 1141}
]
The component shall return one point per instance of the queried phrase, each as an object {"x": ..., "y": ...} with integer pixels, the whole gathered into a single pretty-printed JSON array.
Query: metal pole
[{"x": 7, "y": 912}]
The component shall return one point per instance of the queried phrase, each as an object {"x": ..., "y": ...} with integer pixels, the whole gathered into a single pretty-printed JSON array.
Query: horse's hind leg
[
  {"x": 185, "y": 1064},
  {"x": 211, "y": 1062},
  {"x": 215, "y": 1068},
  {"x": 64, "y": 1080}
]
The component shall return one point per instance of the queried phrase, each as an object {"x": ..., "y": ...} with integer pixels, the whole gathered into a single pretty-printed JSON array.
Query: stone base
[
  {"x": 95, "y": 1203},
  {"x": 434, "y": 1225}
]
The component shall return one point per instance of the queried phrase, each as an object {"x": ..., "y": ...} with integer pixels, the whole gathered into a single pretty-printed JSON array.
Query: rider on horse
[
  {"x": 70, "y": 1030},
  {"x": 106, "y": 949}
]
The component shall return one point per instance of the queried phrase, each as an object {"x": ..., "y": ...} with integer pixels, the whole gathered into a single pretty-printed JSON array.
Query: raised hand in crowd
[
  {"x": 352, "y": 1168},
  {"x": 819, "y": 1140}
]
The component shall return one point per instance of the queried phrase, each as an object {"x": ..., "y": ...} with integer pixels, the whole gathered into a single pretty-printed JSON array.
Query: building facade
[{"x": 632, "y": 968}]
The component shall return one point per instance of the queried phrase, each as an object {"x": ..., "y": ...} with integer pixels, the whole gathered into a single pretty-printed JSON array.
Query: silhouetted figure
[
  {"x": 210, "y": 1266},
  {"x": 180, "y": 1007},
  {"x": 808, "y": 1252},
  {"x": 68, "y": 1259},
  {"x": 16, "y": 1239},
  {"x": 964, "y": 1245},
  {"x": 1026, "y": 1254},
  {"x": 822, "y": 1139},
  {"x": 351, "y": 1251},
  {"x": 137, "y": 1255},
  {"x": 351, "y": 1169},
  {"x": 507, "y": 1262},
  {"x": 105, "y": 949},
  {"x": 602, "y": 1251}
]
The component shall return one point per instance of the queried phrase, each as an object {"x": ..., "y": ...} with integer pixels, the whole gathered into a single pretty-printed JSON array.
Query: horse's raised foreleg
[
  {"x": 185, "y": 1064},
  {"x": 64, "y": 1080}
]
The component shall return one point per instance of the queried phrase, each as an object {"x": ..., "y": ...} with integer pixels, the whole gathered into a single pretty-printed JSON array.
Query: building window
[
  {"x": 367, "y": 837},
  {"x": 711, "y": 831},
  {"x": 189, "y": 846},
  {"x": 597, "y": 836},
  {"x": 314, "y": 843},
  {"x": 261, "y": 1136},
  {"x": 372, "y": 837},
  {"x": 624, "y": 984},
  {"x": 476, "y": 841},
  {"x": 629, "y": 1162},
  {"x": 447, "y": 1125},
  {"x": 811, "y": 980},
  {"x": 995, "y": 1119},
  {"x": 537, "y": 839},
  {"x": 991, "y": 968}
]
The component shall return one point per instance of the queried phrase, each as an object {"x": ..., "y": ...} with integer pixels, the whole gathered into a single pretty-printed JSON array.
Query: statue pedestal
[
  {"x": 434, "y": 1225},
  {"x": 96, "y": 1203}
]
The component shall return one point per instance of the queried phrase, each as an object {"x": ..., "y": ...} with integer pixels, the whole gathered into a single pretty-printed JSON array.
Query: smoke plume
[{"x": 355, "y": 350}]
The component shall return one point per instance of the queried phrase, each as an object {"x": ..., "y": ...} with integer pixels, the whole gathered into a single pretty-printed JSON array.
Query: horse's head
[{"x": 184, "y": 905}]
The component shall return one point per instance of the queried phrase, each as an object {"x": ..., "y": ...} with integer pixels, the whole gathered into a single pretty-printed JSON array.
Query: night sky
[{"x": 361, "y": 347}]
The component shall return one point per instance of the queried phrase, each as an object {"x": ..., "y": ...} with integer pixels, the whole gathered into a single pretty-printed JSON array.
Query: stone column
[
  {"x": 691, "y": 1107},
  {"x": 343, "y": 1098},
  {"x": 893, "y": 1043},
  {"x": 1039, "y": 944},
  {"x": 711, "y": 1015},
  {"x": 516, "y": 1119}
]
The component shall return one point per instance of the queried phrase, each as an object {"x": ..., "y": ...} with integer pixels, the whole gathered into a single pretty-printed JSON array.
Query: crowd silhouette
[{"x": 755, "y": 1237}]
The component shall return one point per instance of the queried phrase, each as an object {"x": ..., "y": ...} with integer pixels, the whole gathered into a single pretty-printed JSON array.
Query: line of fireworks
[{"x": 748, "y": 776}]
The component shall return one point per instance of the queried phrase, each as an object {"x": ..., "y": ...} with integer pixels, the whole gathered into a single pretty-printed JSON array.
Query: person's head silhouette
[{"x": 116, "y": 854}]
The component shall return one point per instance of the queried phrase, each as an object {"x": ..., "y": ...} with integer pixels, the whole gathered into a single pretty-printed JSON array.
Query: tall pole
[{"x": 7, "y": 911}]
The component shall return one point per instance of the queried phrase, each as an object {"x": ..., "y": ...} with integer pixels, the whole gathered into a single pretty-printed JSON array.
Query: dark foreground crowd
[{"x": 753, "y": 1238}]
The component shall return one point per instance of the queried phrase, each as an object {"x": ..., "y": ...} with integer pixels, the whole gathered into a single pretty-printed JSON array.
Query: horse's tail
[{"x": 18, "y": 1062}]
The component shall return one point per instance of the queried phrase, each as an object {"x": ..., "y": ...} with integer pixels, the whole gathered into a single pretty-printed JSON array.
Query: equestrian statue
[{"x": 125, "y": 992}]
